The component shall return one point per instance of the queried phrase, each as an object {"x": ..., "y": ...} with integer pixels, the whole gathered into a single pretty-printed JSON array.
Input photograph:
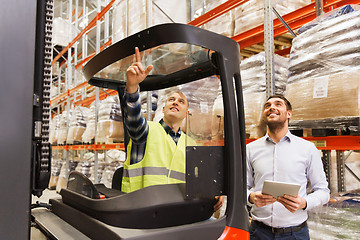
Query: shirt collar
[
  {"x": 168, "y": 129},
  {"x": 288, "y": 136}
]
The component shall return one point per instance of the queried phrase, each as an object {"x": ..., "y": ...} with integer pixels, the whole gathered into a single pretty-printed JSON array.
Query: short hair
[
  {"x": 287, "y": 103},
  {"x": 180, "y": 93}
]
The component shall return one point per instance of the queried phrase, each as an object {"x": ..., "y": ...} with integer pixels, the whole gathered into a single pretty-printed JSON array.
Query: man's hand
[
  {"x": 219, "y": 203},
  {"x": 292, "y": 203},
  {"x": 136, "y": 73},
  {"x": 260, "y": 199}
]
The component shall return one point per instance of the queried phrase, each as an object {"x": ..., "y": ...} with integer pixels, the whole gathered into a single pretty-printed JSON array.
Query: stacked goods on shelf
[
  {"x": 61, "y": 32},
  {"x": 223, "y": 24},
  {"x": 110, "y": 126},
  {"x": 251, "y": 13},
  {"x": 324, "y": 68},
  {"x": 55, "y": 172},
  {"x": 201, "y": 95},
  {"x": 64, "y": 171},
  {"x": 63, "y": 129},
  {"x": 129, "y": 17},
  {"x": 89, "y": 133},
  {"x": 54, "y": 127},
  {"x": 252, "y": 71},
  {"x": 113, "y": 160},
  {"x": 53, "y": 90},
  {"x": 87, "y": 162},
  {"x": 77, "y": 125}
]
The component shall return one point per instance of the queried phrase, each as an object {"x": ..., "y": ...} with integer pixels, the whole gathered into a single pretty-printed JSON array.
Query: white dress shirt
[{"x": 292, "y": 160}]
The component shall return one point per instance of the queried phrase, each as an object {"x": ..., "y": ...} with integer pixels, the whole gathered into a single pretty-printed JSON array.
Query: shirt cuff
[
  {"x": 132, "y": 97},
  {"x": 247, "y": 198}
]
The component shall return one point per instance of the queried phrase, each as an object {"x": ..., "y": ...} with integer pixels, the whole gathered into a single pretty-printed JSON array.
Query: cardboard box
[{"x": 331, "y": 96}]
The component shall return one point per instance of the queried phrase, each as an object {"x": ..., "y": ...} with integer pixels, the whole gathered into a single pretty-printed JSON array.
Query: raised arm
[
  {"x": 136, "y": 73},
  {"x": 134, "y": 120}
]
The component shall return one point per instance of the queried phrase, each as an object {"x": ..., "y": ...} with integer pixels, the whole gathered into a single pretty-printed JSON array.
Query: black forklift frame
[
  {"x": 227, "y": 59},
  {"x": 225, "y": 62}
]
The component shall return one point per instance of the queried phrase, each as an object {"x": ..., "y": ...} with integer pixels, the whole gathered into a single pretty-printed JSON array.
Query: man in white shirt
[{"x": 281, "y": 156}]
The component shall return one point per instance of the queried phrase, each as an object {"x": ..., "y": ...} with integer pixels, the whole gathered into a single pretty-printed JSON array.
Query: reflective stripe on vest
[
  {"x": 137, "y": 172},
  {"x": 163, "y": 162}
]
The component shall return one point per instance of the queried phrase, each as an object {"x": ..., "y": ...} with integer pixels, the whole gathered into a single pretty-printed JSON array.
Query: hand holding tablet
[{"x": 278, "y": 189}]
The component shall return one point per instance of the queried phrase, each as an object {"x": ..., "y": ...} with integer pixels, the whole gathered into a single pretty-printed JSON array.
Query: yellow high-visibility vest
[{"x": 163, "y": 162}]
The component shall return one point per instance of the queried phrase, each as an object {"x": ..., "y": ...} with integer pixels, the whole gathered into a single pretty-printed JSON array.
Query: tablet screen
[{"x": 277, "y": 189}]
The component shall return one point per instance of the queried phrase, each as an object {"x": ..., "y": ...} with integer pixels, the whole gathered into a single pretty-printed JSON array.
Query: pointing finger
[{"x": 137, "y": 55}]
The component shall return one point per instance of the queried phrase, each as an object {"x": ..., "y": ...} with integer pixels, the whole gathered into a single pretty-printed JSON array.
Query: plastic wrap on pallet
[
  {"x": 130, "y": 16},
  {"x": 89, "y": 133},
  {"x": 61, "y": 32},
  {"x": 324, "y": 69},
  {"x": 201, "y": 95},
  {"x": 223, "y": 24},
  {"x": 114, "y": 160},
  {"x": 329, "y": 47},
  {"x": 63, "y": 129},
  {"x": 251, "y": 13},
  {"x": 54, "y": 127},
  {"x": 253, "y": 79},
  {"x": 77, "y": 125},
  {"x": 331, "y": 96},
  {"x": 110, "y": 126},
  {"x": 55, "y": 172},
  {"x": 65, "y": 169},
  {"x": 119, "y": 20},
  {"x": 328, "y": 16}
]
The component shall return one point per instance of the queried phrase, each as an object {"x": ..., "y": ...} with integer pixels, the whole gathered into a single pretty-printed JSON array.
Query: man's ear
[
  {"x": 289, "y": 114},
  {"x": 163, "y": 109}
]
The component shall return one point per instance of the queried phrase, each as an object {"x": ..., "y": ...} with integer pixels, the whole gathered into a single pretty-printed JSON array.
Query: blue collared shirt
[
  {"x": 292, "y": 160},
  {"x": 138, "y": 127}
]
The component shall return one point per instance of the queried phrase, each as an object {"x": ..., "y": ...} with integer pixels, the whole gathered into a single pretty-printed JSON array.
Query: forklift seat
[{"x": 156, "y": 206}]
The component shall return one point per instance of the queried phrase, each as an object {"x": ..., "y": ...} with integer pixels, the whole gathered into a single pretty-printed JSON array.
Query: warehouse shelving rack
[{"x": 78, "y": 96}]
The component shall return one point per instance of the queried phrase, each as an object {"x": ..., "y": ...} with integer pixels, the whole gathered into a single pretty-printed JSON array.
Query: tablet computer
[{"x": 277, "y": 189}]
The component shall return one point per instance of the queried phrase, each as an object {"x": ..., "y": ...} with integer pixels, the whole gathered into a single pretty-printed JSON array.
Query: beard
[{"x": 274, "y": 125}]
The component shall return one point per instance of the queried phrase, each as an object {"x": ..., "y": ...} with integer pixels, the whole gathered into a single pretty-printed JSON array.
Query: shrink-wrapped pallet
[
  {"x": 129, "y": 17},
  {"x": 252, "y": 71},
  {"x": 63, "y": 129},
  {"x": 54, "y": 128},
  {"x": 61, "y": 32},
  {"x": 64, "y": 172},
  {"x": 223, "y": 24},
  {"x": 114, "y": 159},
  {"x": 331, "y": 45},
  {"x": 77, "y": 125},
  {"x": 55, "y": 172},
  {"x": 325, "y": 67},
  {"x": 201, "y": 95},
  {"x": 110, "y": 126},
  {"x": 251, "y": 13},
  {"x": 89, "y": 134},
  {"x": 332, "y": 96}
]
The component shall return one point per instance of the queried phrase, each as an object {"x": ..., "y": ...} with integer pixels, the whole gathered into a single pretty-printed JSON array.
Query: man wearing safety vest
[{"x": 156, "y": 151}]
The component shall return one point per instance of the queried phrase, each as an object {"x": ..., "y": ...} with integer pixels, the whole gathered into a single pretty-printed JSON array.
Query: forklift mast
[{"x": 26, "y": 27}]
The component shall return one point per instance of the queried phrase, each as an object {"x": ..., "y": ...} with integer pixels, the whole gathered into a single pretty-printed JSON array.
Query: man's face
[
  {"x": 176, "y": 107},
  {"x": 275, "y": 112}
]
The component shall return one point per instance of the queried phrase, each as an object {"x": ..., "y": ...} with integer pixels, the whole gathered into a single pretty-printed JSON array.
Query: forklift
[
  {"x": 181, "y": 54},
  {"x": 174, "y": 211}
]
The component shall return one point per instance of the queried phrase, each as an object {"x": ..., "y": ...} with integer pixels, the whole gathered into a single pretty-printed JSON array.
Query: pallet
[{"x": 326, "y": 127}]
